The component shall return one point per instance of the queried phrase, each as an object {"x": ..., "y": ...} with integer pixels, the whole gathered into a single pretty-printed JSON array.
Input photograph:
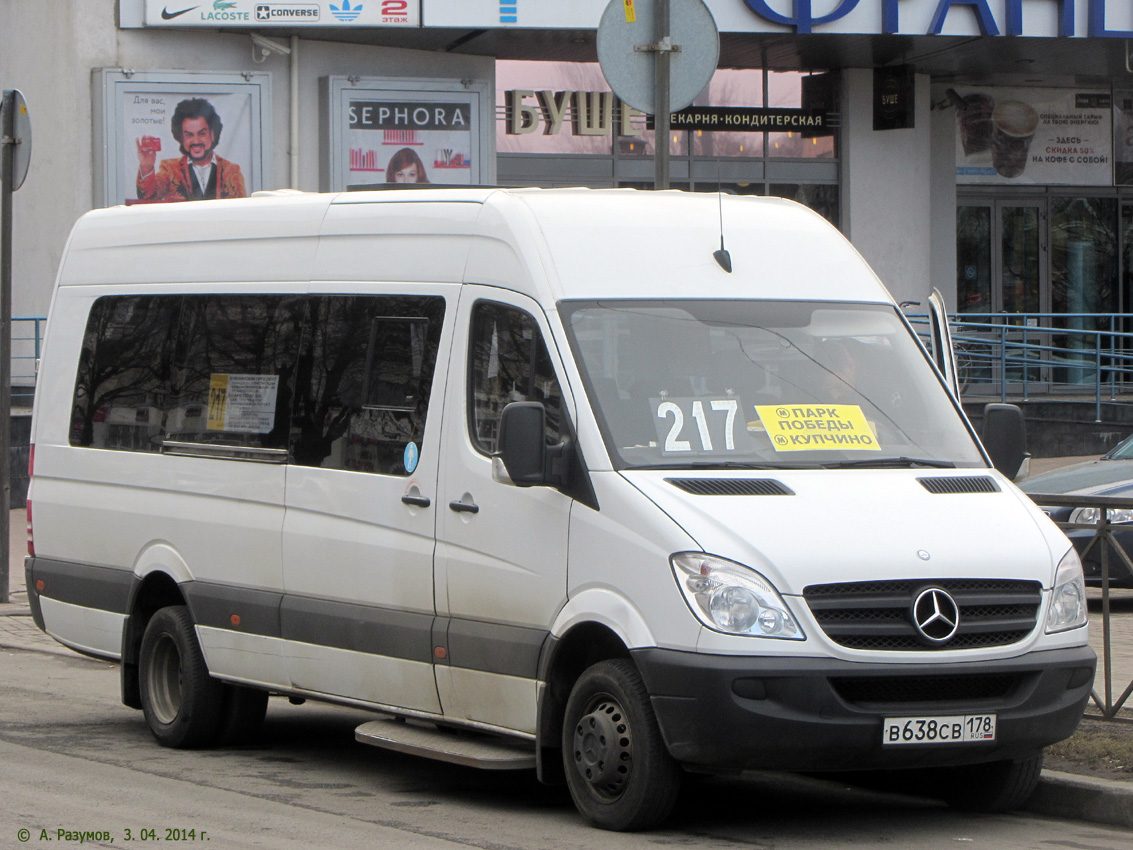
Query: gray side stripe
[
  {"x": 494, "y": 648},
  {"x": 471, "y": 644},
  {"x": 215, "y": 606},
  {"x": 105, "y": 588},
  {"x": 361, "y": 628}
]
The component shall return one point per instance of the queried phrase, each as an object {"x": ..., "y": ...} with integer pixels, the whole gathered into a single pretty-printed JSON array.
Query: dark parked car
[{"x": 1109, "y": 475}]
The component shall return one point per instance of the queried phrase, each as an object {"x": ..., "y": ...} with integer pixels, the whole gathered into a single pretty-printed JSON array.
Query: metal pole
[
  {"x": 7, "y": 173},
  {"x": 1098, "y": 376},
  {"x": 1104, "y": 537},
  {"x": 1026, "y": 371},
  {"x": 1003, "y": 363},
  {"x": 661, "y": 124}
]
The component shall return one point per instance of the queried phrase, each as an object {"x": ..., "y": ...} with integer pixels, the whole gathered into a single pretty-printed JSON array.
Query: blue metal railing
[
  {"x": 27, "y": 339},
  {"x": 1070, "y": 356}
]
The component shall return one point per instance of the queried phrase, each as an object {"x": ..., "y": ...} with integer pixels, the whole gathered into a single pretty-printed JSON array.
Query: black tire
[
  {"x": 180, "y": 700},
  {"x": 998, "y": 786},
  {"x": 241, "y": 715},
  {"x": 619, "y": 773}
]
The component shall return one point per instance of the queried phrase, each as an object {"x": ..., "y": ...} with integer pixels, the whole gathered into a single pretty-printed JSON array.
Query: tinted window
[
  {"x": 234, "y": 370},
  {"x": 342, "y": 382},
  {"x": 124, "y": 376},
  {"x": 365, "y": 379},
  {"x": 508, "y": 362}
]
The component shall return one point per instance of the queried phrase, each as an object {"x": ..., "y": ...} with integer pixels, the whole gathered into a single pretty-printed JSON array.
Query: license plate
[{"x": 947, "y": 729}]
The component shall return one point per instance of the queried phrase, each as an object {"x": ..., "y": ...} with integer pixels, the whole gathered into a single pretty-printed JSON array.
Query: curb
[{"x": 1068, "y": 795}]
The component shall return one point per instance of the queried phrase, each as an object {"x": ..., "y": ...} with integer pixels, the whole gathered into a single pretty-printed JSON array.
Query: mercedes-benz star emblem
[{"x": 936, "y": 615}]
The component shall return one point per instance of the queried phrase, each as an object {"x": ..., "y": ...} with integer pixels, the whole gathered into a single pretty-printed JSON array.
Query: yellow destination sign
[{"x": 817, "y": 427}]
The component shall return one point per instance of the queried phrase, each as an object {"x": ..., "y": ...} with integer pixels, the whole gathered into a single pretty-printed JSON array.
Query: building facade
[{"x": 981, "y": 147}]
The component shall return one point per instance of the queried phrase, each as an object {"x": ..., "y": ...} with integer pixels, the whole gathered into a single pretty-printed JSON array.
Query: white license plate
[{"x": 947, "y": 729}]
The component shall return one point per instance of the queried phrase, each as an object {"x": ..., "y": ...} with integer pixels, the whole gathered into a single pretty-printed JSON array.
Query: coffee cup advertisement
[
  {"x": 1057, "y": 137},
  {"x": 1123, "y": 138}
]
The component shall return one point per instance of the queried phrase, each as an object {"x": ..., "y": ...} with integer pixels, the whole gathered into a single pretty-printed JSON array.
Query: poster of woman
[
  {"x": 405, "y": 166},
  {"x": 409, "y": 141}
]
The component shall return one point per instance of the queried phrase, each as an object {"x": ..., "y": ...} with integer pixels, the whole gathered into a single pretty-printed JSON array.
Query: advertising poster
[
  {"x": 1057, "y": 137},
  {"x": 185, "y": 145},
  {"x": 388, "y": 131},
  {"x": 171, "y": 136},
  {"x": 1123, "y": 138},
  {"x": 398, "y": 140}
]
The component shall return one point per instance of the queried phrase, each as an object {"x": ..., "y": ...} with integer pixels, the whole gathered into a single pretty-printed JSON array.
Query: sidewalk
[
  {"x": 1061, "y": 795},
  {"x": 17, "y": 630}
]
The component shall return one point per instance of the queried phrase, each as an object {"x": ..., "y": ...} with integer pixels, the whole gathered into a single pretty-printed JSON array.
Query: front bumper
[{"x": 813, "y": 714}]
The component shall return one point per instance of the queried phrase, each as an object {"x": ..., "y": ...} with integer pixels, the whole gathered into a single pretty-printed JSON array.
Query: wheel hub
[{"x": 602, "y": 748}]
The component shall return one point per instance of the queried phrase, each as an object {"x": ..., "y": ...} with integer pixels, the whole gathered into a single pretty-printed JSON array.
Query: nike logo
[{"x": 166, "y": 15}]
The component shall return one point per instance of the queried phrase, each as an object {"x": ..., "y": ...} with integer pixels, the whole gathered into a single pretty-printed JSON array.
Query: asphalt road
[{"x": 72, "y": 758}]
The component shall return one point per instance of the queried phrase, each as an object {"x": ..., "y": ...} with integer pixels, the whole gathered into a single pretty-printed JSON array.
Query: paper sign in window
[
  {"x": 243, "y": 404},
  {"x": 817, "y": 427}
]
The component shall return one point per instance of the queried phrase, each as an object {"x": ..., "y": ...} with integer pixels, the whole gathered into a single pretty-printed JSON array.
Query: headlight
[
  {"x": 1090, "y": 516},
  {"x": 732, "y": 598},
  {"x": 1068, "y": 599}
]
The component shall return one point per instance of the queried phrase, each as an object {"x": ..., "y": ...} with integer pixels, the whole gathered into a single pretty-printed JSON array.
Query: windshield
[{"x": 762, "y": 384}]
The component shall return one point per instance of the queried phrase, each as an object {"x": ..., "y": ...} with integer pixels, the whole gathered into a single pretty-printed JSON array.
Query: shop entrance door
[{"x": 1002, "y": 268}]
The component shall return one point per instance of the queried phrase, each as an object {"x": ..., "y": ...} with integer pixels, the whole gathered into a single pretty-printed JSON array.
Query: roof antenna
[{"x": 721, "y": 256}]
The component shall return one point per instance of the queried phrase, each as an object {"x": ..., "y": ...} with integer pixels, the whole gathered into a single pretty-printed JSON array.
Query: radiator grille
[{"x": 879, "y": 615}]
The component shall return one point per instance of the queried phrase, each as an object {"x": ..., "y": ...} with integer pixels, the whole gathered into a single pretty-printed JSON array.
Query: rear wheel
[
  {"x": 181, "y": 701},
  {"x": 619, "y": 773},
  {"x": 998, "y": 786}
]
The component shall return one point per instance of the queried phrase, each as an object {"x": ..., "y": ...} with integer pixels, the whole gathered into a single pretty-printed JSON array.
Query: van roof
[{"x": 550, "y": 243}]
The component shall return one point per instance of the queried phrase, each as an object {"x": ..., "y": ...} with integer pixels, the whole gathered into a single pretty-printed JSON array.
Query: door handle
[
  {"x": 417, "y": 501},
  {"x": 464, "y": 507}
]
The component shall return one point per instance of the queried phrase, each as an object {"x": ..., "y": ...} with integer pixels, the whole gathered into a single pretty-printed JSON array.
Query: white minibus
[{"x": 608, "y": 484}]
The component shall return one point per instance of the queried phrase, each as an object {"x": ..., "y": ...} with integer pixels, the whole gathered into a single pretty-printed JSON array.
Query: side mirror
[
  {"x": 522, "y": 444},
  {"x": 1004, "y": 435}
]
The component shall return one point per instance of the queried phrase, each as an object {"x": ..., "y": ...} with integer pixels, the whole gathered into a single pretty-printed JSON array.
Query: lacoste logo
[{"x": 166, "y": 15}]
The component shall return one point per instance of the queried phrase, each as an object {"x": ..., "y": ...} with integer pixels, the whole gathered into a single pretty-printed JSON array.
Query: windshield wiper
[{"x": 889, "y": 463}]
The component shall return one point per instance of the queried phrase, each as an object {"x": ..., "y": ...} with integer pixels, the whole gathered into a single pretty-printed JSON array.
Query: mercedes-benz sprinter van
[{"x": 617, "y": 484}]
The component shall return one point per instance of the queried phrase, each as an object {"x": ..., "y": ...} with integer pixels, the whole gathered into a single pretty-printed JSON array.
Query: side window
[
  {"x": 508, "y": 362},
  {"x": 234, "y": 371},
  {"x": 124, "y": 376},
  {"x": 364, "y": 380}
]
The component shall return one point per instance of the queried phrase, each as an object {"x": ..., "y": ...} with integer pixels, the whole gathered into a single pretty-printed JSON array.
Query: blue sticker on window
[{"x": 411, "y": 457}]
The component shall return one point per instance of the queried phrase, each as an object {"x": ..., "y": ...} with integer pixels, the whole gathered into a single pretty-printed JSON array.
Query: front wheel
[
  {"x": 182, "y": 703},
  {"x": 619, "y": 773},
  {"x": 998, "y": 786}
]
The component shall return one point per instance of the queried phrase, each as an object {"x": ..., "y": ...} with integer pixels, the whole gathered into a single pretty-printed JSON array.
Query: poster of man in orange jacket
[{"x": 199, "y": 173}]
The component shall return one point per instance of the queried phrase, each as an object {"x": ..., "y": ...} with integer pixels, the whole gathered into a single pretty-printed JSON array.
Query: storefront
[
  {"x": 922, "y": 106},
  {"x": 788, "y": 149}
]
